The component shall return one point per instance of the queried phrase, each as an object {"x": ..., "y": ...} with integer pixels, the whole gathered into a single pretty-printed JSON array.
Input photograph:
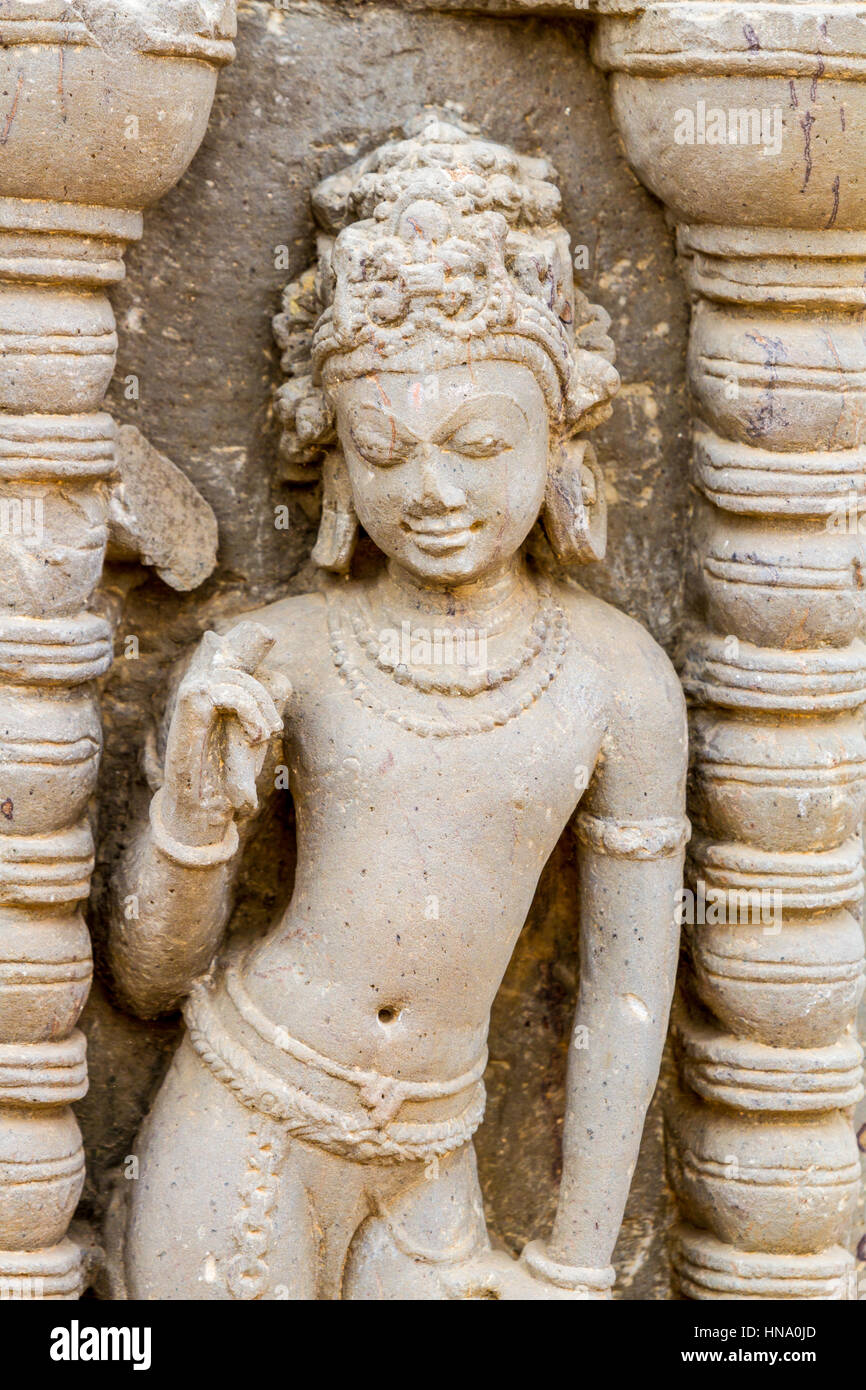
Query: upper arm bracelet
[{"x": 633, "y": 839}]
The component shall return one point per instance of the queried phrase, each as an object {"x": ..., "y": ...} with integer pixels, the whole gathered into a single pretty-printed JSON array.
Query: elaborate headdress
[{"x": 437, "y": 250}]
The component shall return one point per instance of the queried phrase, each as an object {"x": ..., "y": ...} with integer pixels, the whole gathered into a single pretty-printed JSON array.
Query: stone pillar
[
  {"x": 98, "y": 116},
  {"x": 748, "y": 121}
]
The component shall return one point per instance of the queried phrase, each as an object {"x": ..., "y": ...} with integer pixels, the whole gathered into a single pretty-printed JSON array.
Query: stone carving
[
  {"x": 450, "y": 697},
  {"x": 762, "y": 1154},
  {"x": 74, "y": 174},
  {"x": 438, "y": 712}
]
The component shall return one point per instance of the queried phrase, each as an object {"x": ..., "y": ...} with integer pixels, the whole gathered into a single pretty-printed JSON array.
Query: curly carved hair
[{"x": 437, "y": 249}]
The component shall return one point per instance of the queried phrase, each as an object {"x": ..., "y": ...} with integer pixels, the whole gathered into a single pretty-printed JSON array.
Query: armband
[{"x": 633, "y": 839}]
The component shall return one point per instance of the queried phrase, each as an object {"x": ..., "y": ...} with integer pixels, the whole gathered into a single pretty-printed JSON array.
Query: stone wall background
[{"x": 313, "y": 87}]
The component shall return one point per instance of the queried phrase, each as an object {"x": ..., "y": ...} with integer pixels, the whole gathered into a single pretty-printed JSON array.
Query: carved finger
[
  {"x": 228, "y": 698},
  {"x": 268, "y": 712},
  {"x": 240, "y": 770},
  {"x": 278, "y": 686},
  {"x": 248, "y": 644},
  {"x": 203, "y": 656},
  {"x": 193, "y": 714},
  {"x": 260, "y": 752}
]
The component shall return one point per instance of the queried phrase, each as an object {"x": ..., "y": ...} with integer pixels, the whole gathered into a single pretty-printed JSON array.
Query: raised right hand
[{"x": 223, "y": 721}]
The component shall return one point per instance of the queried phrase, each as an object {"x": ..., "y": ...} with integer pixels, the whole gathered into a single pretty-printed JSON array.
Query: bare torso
[{"x": 418, "y": 857}]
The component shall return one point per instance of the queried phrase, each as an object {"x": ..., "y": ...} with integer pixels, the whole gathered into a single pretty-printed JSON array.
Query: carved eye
[
  {"x": 478, "y": 441},
  {"x": 380, "y": 450}
]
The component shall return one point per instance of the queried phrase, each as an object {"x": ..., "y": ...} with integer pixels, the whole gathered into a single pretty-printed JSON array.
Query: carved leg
[
  {"x": 421, "y": 1234},
  {"x": 91, "y": 128},
  {"x": 219, "y": 1207},
  {"x": 428, "y": 1241},
  {"x": 762, "y": 1155}
]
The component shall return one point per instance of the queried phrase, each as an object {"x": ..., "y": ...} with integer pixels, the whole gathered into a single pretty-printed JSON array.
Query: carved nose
[{"x": 438, "y": 490}]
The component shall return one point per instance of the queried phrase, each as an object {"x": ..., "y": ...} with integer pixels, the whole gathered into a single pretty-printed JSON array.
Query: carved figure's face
[{"x": 448, "y": 471}]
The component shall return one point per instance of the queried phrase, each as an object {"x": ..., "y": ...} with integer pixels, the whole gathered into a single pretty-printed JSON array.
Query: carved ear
[
  {"x": 574, "y": 516},
  {"x": 338, "y": 528}
]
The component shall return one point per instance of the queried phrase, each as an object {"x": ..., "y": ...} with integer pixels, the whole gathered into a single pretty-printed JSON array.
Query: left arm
[{"x": 632, "y": 832}]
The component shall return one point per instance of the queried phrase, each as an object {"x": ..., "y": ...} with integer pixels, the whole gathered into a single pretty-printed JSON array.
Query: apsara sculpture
[{"x": 441, "y": 719}]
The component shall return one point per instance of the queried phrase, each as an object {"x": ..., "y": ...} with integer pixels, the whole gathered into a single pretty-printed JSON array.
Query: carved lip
[{"x": 437, "y": 535}]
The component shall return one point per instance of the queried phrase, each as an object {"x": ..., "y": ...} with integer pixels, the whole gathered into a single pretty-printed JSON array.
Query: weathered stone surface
[
  {"x": 72, "y": 181},
  {"x": 761, "y": 1150},
  {"x": 329, "y": 1081},
  {"x": 157, "y": 518},
  {"x": 289, "y": 111},
  {"x": 770, "y": 238}
]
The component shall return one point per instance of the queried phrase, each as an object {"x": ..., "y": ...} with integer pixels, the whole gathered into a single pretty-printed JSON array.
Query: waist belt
[{"x": 372, "y": 1132}]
